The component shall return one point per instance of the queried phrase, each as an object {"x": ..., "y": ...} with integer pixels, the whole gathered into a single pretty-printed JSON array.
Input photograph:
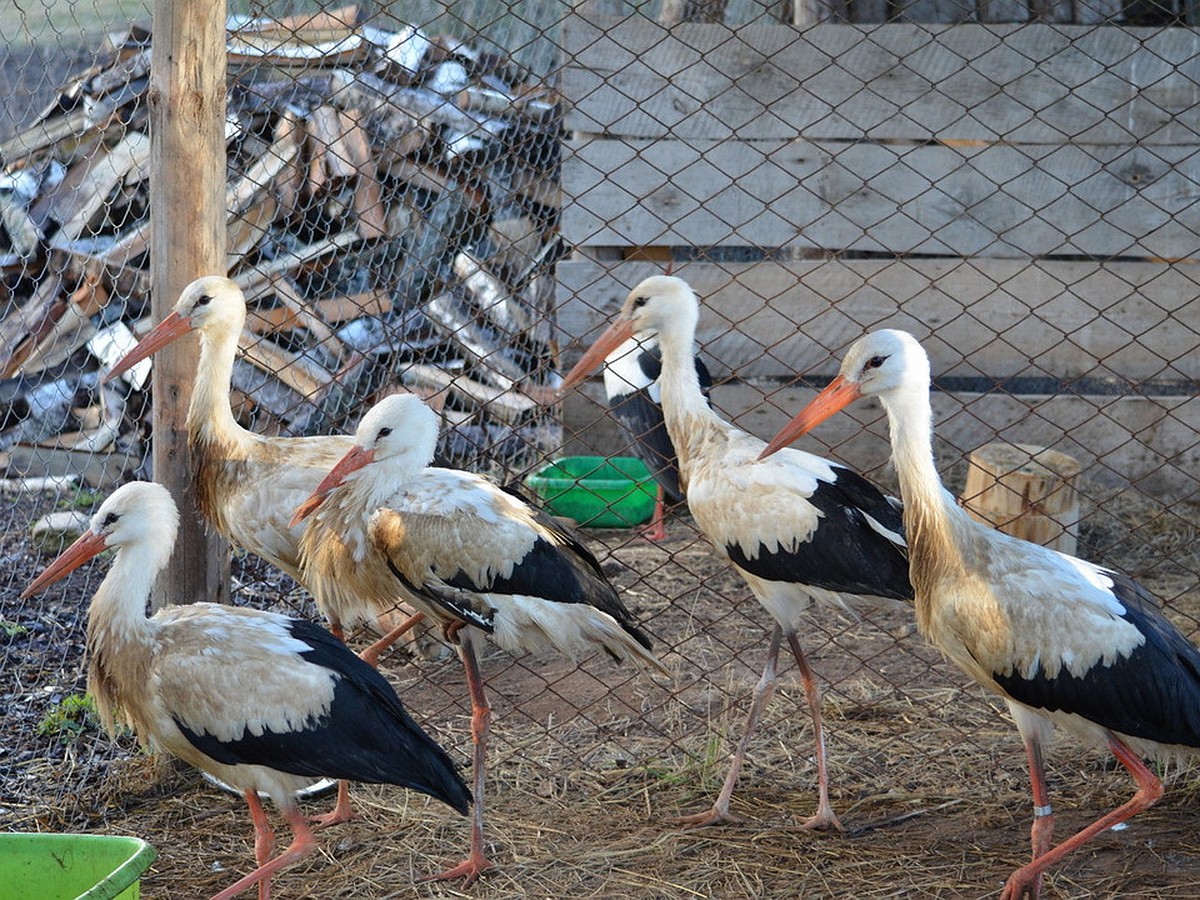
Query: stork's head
[
  {"x": 397, "y": 436},
  {"x": 880, "y": 364},
  {"x": 660, "y": 305},
  {"x": 213, "y": 304},
  {"x": 139, "y": 514}
]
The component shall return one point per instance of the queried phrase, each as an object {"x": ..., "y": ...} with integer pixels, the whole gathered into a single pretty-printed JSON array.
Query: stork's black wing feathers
[
  {"x": 367, "y": 735},
  {"x": 1153, "y": 693},
  {"x": 845, "y": 554}
]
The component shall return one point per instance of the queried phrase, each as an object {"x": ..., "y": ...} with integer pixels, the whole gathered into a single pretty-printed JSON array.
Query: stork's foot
[
  {"x": 823, "y": 820},
  {"x": 717, "y": 815},
  {"x": 1022, "y": 886},
  {"x": 655, "y": 531},
  {"x": 342, "y": 810},
  {"x": 468, "y": 870}
]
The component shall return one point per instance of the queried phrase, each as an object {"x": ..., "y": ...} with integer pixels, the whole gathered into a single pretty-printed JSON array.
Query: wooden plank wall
[{"x": 1024, "y": 199}]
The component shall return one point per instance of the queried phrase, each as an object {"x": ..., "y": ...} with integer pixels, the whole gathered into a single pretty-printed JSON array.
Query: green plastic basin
[
  {"x": 72, "y": 866},
  {"x": 596, "y": 491}
]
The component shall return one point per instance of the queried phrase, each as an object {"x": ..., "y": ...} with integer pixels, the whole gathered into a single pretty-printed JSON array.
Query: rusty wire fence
[{"x": 455, "y": 200}]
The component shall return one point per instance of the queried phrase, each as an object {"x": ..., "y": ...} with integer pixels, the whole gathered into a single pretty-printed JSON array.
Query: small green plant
[
  {"x": 81, "y": 498},
  {"x": 12, "y": 629},
  {"x": 70, "y": 717}
]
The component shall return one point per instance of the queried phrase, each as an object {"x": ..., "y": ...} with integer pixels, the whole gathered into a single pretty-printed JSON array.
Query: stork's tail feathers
[{"x": 573, "y": 629}]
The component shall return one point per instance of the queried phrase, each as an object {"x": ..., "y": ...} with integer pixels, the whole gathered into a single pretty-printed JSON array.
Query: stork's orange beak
[
  {"x": 169, "y": 329},
  {"x": 839, "y": 394},
  {"x": 356, "y": 457},
  {"x": 88, "y": 544},
  {"x": 614, "y": 336}
]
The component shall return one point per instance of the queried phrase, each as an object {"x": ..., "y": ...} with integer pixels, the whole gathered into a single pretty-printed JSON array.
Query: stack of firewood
[{"x": 392, "y": 213}]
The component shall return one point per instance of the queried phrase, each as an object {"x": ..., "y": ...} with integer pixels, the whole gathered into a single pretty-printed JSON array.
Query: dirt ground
[{"x": 589, "y": 763}]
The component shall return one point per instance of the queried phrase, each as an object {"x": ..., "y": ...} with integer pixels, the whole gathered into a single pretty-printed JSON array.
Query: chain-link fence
[{"x": 454, "y": 200}]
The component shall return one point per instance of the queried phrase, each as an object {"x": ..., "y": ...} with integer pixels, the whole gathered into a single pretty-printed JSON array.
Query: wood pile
[{"x": 392, "y": 207}]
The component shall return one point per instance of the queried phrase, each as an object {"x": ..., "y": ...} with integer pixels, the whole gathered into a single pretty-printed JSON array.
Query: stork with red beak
[
  {"x": 258, "y": 700},
  {"x": 474, "y": 557},
  {"x": 797, "y": 528},
  {"x": 1061, "y": 640}
]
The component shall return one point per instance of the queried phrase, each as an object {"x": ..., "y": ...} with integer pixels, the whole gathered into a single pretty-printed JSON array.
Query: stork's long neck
[
  {"x": 686, "y": 413},
  {"x": 210, "y": 418},
  {"x": 934, "y": 525},
  {"x": 119, "y": 632}
]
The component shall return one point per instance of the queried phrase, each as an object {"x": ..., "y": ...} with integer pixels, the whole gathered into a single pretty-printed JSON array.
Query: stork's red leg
[
  {"x": 1041, "y": 832},
  {"x": 1025, "y": 882},
  {"x": 264, "y": 839},
  {"x": 371, "y": 654},
  {"x": 762, "y": 694},
  {"x": 824, "y": 817},
  {"x": 302, "y": 844},
  {"x": 476, "y": 862},
  {"x": 657, "y": 529}
]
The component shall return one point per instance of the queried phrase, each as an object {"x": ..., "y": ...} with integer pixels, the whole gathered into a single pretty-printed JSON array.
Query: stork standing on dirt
[
  {"x": 797, "y": 528},
  {"x": 473, "y": 556},
  {"x": 261, "y": 701},
  {"x": 1063, "y": 641},
  {"x": 248, "y": 485},
  {"x": 631, "y": 375}
]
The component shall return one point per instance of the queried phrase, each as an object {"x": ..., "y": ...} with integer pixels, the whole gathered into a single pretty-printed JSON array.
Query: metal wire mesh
[{"x": 454, "y": 199}]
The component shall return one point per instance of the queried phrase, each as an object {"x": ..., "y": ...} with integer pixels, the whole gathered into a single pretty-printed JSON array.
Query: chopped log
[
  {"x": 331, "y": 310},
  {"x": 509, "y": 406},
  {"x": 98, "y": 176},
  {"x": 96, "y": 470},
  {"x": 292, "y": 369},
  {"x": 1026, "y": 491},
  {"x": 481, "y": 345}
]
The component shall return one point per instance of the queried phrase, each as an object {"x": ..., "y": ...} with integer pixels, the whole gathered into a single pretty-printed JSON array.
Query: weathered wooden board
[
  {"x": 1149, "y": 443},
  {"x": 997, "y": 200},
  {"x": 1129, "y": 321},
  {"x": 1020, "y": 83}
]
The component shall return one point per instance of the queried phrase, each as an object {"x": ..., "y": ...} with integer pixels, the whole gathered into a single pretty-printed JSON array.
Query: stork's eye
[
  {"x": 204, "y": 300},
  {"x": 875, "y": 362},
  {"x": 384, "y": 432},
  {"x": 639, "y": 302},
  {"x": 110, "y": 519}
]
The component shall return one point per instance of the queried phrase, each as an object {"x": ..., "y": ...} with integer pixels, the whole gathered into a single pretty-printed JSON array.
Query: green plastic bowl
[
  {"x": 72, "y": 866},
  {"x": 596, "y": 491}
]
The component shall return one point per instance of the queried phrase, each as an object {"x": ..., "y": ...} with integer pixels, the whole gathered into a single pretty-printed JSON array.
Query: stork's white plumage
[
  {"x": 631, "y": 387},
  {"x": 473, "y": 557},
  {"x": 797, "y": 528},
  {"x": 248, "y": 485},
  {"x": 1063, "y": 641},
  {"x": 261, "y": 701}
]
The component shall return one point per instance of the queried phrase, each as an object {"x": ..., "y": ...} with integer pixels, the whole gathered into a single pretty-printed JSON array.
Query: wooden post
[
  {"x": 1026, "y": 491},
  {"x": 187, "y": 225}
]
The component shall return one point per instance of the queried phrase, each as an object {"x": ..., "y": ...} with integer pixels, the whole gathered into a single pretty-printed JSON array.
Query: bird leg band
[{"x": 1040, "y": 812}]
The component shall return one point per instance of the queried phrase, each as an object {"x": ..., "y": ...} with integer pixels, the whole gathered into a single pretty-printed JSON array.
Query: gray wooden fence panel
[
  {"x": 998, "y": 200},
  {"x": 1019, "y": 83}
]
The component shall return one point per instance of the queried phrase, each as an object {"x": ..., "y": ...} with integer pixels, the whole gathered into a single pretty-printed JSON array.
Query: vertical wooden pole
[{"x": 187, "y": 226}]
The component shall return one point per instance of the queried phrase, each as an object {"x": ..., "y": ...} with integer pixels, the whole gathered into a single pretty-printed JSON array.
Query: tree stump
[{"x": 1026, "y": 491}]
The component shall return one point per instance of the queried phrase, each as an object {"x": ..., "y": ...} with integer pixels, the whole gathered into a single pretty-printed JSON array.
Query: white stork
[
  {"x": 248, "y": 485},
  {"x": 473, "y": 557},
  {"x": 797, "y": 528},
  {"x": 1062, "y": 640},
  {"x": 261, "y": 701},
  {"x": 631, "y": 387}
]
